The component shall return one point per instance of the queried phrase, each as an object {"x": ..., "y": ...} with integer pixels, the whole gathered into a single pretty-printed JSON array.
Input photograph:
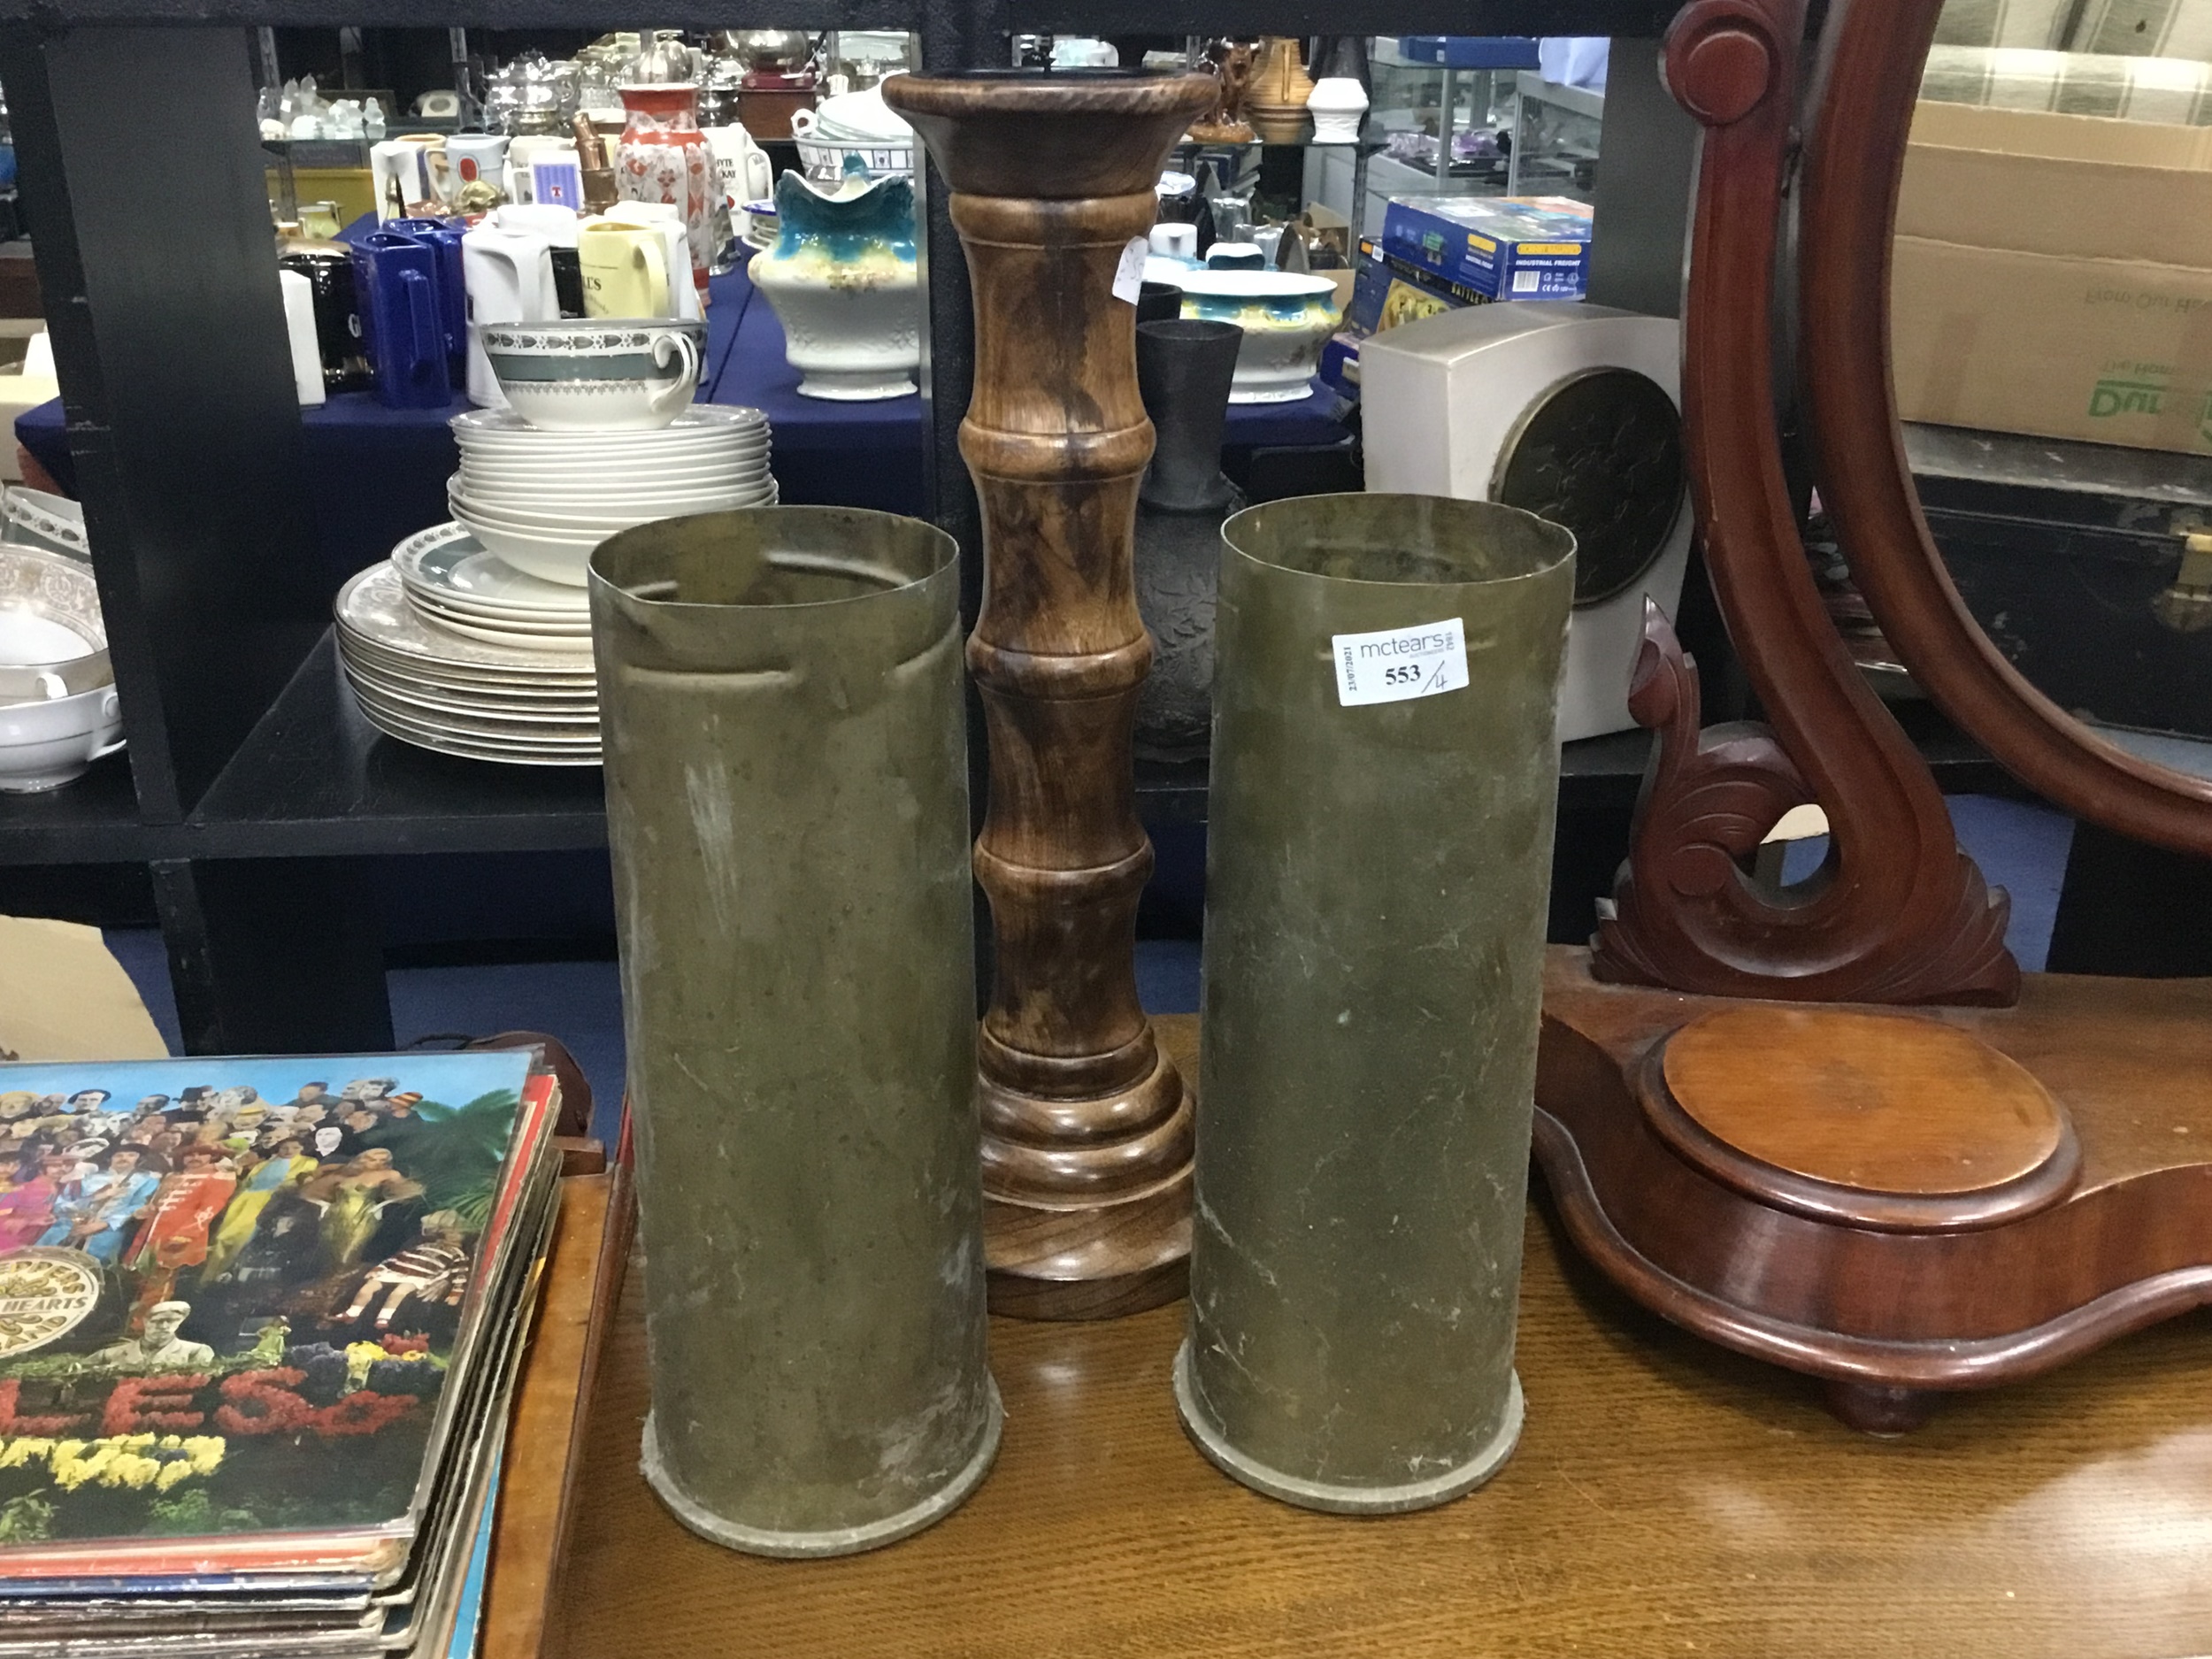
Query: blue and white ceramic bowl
[{"x": 596, "y": 373}]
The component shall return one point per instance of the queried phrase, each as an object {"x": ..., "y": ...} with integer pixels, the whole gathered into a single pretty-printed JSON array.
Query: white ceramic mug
[
  {"x": 557, "y": 179},
  {"x": 521, "y": 153},
  {"x": 1176, "y": 241},
  {"x": 477, "y": 156}
]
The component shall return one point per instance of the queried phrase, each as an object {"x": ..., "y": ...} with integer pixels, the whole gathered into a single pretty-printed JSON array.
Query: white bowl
[
  {"x": 550, "y": 558},
  {"x": 1284, "y": 317},
  {"x": 531, "y": 495},
  {"x": 45, "y": 745},
  {"x": 486, "y": 484},
  {"x": 614, "y": 463},
  {"x": 560, "y": 524}
]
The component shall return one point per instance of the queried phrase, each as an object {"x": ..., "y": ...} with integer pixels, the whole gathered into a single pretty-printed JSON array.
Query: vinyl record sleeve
[{"x": 243, "y": 1305}]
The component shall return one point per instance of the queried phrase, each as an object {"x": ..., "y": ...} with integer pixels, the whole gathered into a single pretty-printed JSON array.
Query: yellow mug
[{"x": 624, "y": 269}]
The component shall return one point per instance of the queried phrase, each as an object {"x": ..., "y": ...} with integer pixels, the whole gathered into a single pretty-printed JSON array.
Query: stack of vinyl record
[{"x": 260, "y": 1327}]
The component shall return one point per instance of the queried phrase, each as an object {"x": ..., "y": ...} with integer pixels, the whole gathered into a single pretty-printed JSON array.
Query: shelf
[
  {"x": 314, "y": 778},
  {"x": 92, "y": 821},
  {"x": 1642, "y": 18}
]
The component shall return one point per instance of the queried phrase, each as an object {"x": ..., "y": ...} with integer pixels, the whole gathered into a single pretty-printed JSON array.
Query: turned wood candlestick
[{"x": 1086, "y": 1127}]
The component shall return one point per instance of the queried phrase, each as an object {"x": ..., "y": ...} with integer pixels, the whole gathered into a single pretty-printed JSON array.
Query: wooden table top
[{"x": 1667, "y": 1498}]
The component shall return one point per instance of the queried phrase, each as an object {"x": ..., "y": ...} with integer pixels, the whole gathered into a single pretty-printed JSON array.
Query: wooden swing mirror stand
[{"x": 1740, "y": 1121}]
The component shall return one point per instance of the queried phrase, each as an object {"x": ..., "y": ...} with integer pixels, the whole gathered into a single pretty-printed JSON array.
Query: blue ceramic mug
[
  {"x": 395, "y": 285},
  {"x": 445, "y": 236}
]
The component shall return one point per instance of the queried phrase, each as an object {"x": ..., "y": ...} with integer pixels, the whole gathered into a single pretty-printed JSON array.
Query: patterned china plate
[
  {"x": 442, "y": 744},
  {"x": 451, "y": 567},
  {"x": 565, "y": 693},
  {"x": 480, "y": 729},
  {"x": 433, "y": 701},
  {"x": 373, "y": 604},
  {"x": 701, "y": 423}
]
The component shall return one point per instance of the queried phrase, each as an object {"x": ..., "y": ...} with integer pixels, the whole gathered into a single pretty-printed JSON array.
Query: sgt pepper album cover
[{"x": 232, "y": 1292}]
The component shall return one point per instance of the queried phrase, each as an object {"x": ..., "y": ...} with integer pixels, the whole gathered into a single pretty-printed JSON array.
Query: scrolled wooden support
[{"x": 1899, "y": 914}]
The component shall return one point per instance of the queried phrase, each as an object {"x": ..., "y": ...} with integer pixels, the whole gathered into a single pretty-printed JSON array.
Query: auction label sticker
[
  {"x": 1423, "y": 661},
  {"x": 1129, "y": 275}
]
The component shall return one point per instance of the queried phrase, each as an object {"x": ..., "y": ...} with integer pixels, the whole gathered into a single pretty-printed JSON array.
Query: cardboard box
[
  {"x": 1500, "y": 246},
  {"x": 1384, "y": 292},
  {"x": 2053, "y": 274}
]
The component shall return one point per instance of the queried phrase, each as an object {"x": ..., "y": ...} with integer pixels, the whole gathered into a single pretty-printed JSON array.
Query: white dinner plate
[
  {"x": 486, "y": 729},
  {"x": 467, "y": 751},
  {"x": 577, "y": 692},
  {"x": 568, "y": 645},
  {"x": 437, "y": 702},
  {"x": 528, "y": 626}
]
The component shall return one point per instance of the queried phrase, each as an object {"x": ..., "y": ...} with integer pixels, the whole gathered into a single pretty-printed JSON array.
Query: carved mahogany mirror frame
[{"x": 1853, "y": 162}]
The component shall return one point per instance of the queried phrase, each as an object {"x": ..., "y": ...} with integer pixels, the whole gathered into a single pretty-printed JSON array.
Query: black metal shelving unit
[{"x": 252, "y": 790}]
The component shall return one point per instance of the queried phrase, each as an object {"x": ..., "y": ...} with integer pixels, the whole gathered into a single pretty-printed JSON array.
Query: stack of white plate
[
  {"x": 507, "y": 681},
  {"x": 543, "y": 501}
]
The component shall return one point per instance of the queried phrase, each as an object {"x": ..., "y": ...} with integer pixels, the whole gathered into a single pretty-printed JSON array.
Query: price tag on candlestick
[
  {"x": 1129, "y": 275},
  {"x": 1423, "y": 661}
]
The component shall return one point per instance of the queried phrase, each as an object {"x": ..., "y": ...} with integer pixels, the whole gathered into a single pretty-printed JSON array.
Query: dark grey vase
[
  {"x": 1158, "y": 301},
  {"x": 1183, "y": 372}
]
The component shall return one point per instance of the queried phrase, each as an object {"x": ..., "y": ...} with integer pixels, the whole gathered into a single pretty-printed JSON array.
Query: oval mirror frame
[{"x": 1853, "y": 163}]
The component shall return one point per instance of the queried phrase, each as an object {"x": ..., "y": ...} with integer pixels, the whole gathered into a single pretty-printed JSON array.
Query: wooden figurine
[
  {"x": 1086, "y": 1125},
  {"x": 1735, "y": 1127},
  {"x": 1230, "y": 63}
]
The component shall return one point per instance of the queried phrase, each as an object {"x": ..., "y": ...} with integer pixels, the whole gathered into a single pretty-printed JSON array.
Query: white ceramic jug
[
  {"x": 509, "y": 274},
  {"x": 556, "y": 224},
  {"x": 299, "y": 327},
  {"x": 741, "y": 165},
  {"x": 400, "y": 159}
]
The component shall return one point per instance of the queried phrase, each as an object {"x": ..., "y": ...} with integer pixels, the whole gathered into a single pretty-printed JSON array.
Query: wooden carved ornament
[{"x": 1897, "y": 914}]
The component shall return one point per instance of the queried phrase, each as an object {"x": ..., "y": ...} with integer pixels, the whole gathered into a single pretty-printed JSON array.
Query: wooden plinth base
[
  {"x": 1900, "y": 1202},
  {"x": 1097, "y": 1264},
  {"x": 1103, "y": 1262}
]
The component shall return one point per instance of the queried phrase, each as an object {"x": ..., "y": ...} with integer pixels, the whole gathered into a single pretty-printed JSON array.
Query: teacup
[{"x": 598, "y": 374}]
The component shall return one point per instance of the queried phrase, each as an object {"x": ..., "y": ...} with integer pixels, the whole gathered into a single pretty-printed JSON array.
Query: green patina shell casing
[
  {"x": 781, "y": 697},
  {"x": 1376, "y": 889}
]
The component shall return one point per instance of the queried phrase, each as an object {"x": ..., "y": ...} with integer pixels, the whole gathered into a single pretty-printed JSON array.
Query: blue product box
[
  {"x": 1385, "y": 291},
  {"x": 1500, "y": 248},
  {"x": 1470, "y": 52}
]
